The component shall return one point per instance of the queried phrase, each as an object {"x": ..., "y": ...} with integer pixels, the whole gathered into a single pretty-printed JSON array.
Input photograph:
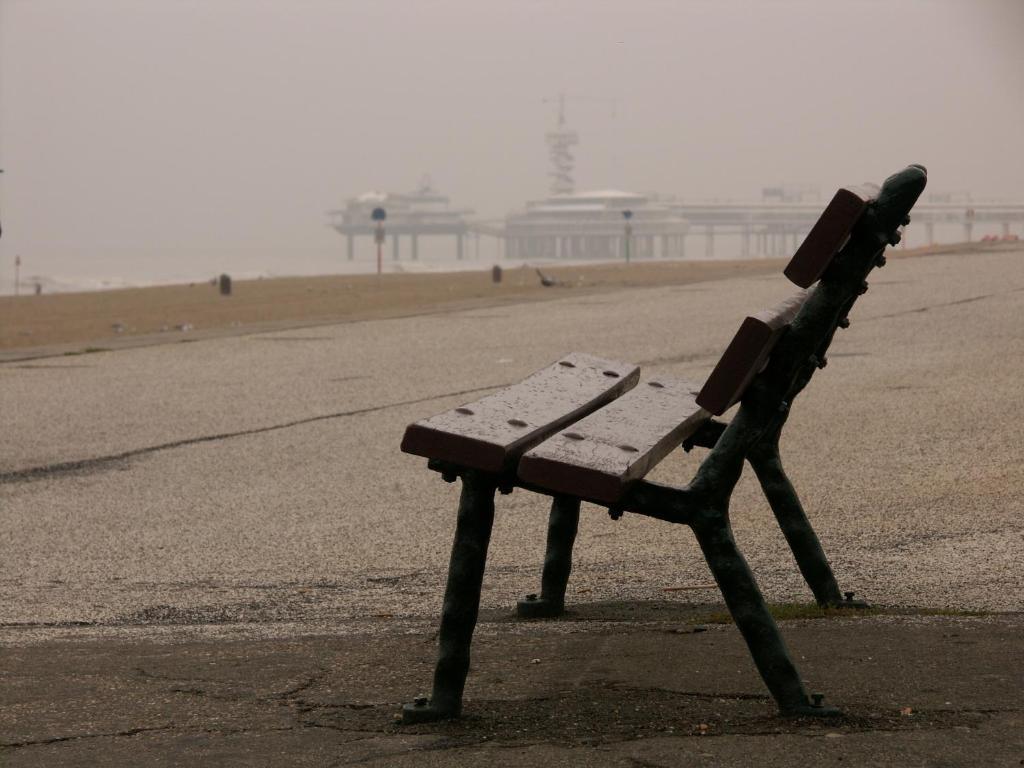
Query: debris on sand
[{"x": 546, "y": 281}]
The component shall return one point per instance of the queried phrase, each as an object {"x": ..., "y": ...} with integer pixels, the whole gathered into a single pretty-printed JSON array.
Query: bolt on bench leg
[
  {"x": 562, "y": 526},
  {"x": 461, "y": 601},
  {"x": 752, "y": 617},
  {"x": 789, "y": 512}
]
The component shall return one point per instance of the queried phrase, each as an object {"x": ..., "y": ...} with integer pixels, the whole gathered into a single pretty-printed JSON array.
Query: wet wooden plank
[
  {"x": 598, "y": 457},
  {"x": 747, "y": 355},
  {"x": 493, "y": 432},
  {"x": 829, "y": 234}
]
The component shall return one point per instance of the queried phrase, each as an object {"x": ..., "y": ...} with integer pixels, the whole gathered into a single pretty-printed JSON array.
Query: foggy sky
[{"x": 157, "y": 138}]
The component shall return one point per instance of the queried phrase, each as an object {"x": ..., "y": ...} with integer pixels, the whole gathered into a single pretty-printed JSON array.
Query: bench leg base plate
[
  {"x": 539, "y": 608},
  {"x": 426, "y": 713}
]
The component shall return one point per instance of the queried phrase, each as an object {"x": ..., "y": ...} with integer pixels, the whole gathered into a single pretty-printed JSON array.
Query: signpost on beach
[
  {"x": 17, "y": 273},
  {"x": 379, "y": 215},
  {"x": 627, "y": 215}
]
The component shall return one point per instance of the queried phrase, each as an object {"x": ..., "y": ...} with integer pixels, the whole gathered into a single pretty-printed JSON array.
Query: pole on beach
[
  {"x": 379, "y": 215},
  {"x": 627, "y": 215},
  {"x": 17, "y": 273}
]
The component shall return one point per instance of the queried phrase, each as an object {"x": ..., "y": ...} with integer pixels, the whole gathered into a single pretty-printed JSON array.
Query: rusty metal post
[
  {"x": 751, "y": 614},
  {"x": 562, "y": 526},
  {"x": 792, "y": 519},
  {"x": 461, "y": 601}
]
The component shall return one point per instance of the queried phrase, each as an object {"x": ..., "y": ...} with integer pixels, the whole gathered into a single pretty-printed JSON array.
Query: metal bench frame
[{"x": 703, "y": 504}]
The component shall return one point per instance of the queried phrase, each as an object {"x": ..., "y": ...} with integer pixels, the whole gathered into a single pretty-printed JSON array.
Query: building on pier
[
  {"x": 423, "y": 213},
  {"x": 591, "y": 225}
]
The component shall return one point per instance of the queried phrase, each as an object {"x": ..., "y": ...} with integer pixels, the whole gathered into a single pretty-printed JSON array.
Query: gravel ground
[{"x": 253, "y": 485}]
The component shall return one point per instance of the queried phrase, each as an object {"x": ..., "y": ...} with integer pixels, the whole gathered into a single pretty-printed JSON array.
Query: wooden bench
[{"x": 588, "y": 429}]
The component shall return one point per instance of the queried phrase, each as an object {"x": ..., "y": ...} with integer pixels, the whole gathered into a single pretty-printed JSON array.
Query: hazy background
[{"x": 159, "y": 139}]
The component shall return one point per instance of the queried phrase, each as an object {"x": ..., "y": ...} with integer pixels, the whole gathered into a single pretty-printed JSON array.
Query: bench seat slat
[
  {"x": 493, "y": 432},
  {"x": 598, "y": 457},
  {"x": 746, "y": 355},
  {"x": 829, "y": 234}
]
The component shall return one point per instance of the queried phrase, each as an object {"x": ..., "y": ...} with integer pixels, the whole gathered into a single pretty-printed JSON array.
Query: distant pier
[{"x": 591, "y": 225}]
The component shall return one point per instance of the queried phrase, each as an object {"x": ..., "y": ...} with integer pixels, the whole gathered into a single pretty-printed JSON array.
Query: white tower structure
[{"x": 560, "y": 143}]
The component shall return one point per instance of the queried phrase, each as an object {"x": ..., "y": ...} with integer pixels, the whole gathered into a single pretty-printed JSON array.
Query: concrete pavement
[
  {"x": 916, "y": 692},
  {"x": 251, "y": 488}
]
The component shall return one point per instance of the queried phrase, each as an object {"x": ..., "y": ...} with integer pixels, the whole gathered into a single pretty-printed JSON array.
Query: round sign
[{"x": 379, "y": 214}]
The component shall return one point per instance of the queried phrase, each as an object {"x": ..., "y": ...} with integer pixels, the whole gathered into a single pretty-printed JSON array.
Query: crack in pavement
[
  {"x": 147, "y": 675},
  {"x": 941, "y": 305},
  {"x": 99, "y": 463},
  {"x": 191, "y": 686},
  {"x": 303, "y": 686},
  {"x": 182, "y": 729},
  {"x": 80, "y": 736}
]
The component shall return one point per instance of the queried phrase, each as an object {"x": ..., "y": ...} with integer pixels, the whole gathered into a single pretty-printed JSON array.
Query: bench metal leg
[
  {"x": 752, "y": 617},
  {"x": 789, "y": 512},
  {"x": 562, "y": 526},
  {"x": 461, "y": 601}
]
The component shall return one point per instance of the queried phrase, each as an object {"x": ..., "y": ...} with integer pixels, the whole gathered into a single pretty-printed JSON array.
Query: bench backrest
[
  {"x": 829, "y": 234},
  {"x": 749, "y": 350},
  {"x": 747, "y": 355}
]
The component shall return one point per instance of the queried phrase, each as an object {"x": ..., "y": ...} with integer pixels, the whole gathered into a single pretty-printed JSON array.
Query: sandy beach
[
  {"x": 31, "y": 325},
  {"x": 91, "y": 317}
]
